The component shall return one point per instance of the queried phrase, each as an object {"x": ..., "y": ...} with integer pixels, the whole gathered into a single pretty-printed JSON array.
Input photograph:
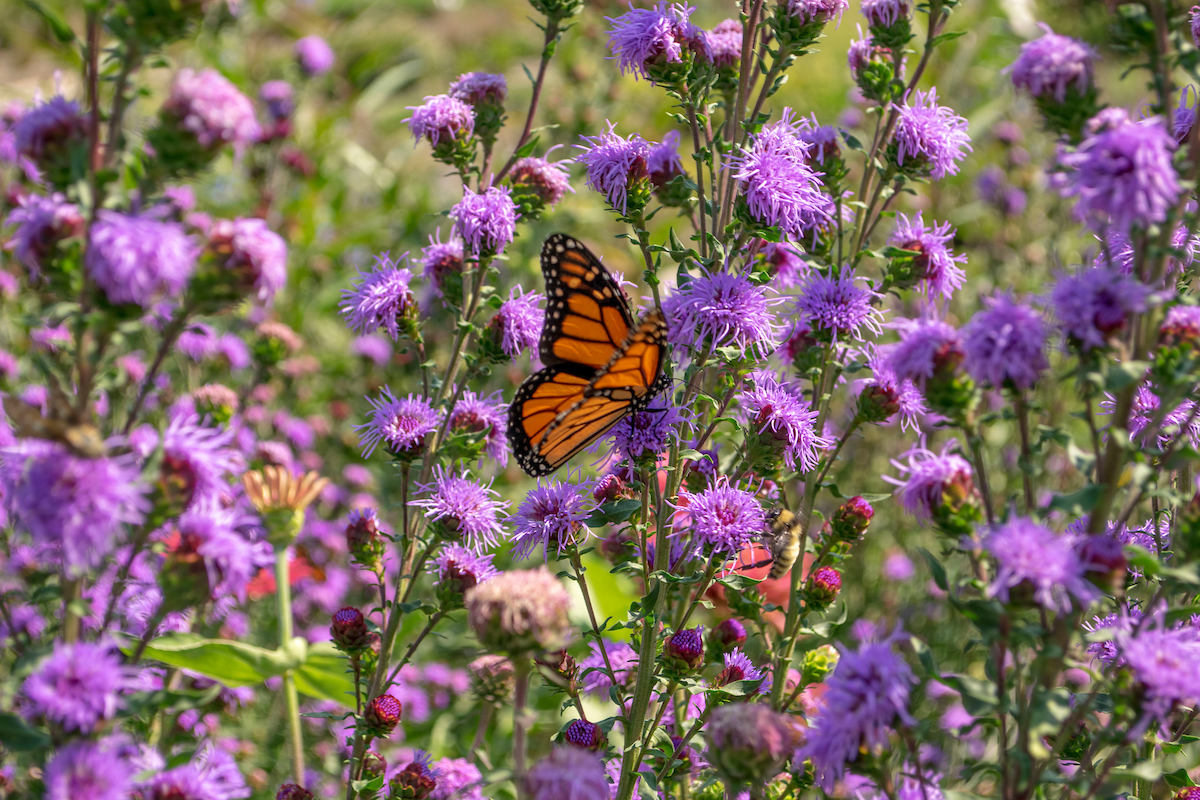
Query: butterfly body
[{"x": 601, "y": 364}]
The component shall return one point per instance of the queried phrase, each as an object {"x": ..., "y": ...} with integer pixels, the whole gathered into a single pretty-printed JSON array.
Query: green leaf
[
  {"x": 323, "y": 675},
  {"x": 942, "y": 38},
  {"x": 1123, "y": 373},
  {"x": 925, "y": 656},
  {"x": 1080, "y": 502},
  {"x": 739, "y": 583},
  {"x": 1178, "y": 779},
  {"x": 616, "y": 511},
  {"x": 58, "y": 26},
  {"x": 229, "y": 662},
  {"x": 936, "y": 569},
  {"x": 17, "y": 736},
  {"x": 978, "y": 697}
]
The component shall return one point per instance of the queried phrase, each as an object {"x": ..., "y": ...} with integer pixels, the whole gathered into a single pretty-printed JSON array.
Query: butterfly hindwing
[{"x": 587, "y": 315}]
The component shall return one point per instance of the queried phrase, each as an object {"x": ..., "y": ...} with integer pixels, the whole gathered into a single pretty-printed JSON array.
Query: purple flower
[
  {"x": 197, "y": 341},
  {"x": 928, "y": 478},
  {"x": 1166, "y": 662},
  {"x": 212, "y": 774},
  {"x": 440, "y": 260},
  {"x": 49, "y": 127},
  {"x": 723, "y": 310},
  {"x": 1184, "y": 115},
  {"x": 381, "y": 298},
  {"x": 1123, "y": 176},
  {"x": 279, "y": 98},
  {"x": 739, "y": 668},
  {"x": 486, "y": 222},
  {"x": 1106, "y": 651},
  {"x": 1194, "y": 21},
  {"x": 663, "y": 162},
  {"x": 614, "y": 165},
  {"x": 926, "y": 345},
  {"x": 860, "y": 52},
  {"x": 78, "y": 686},
  {"x": 648, "y": 432},
  {"x": 1053, "y": 64},
  {"x": 865, "y": 696},
  {"x": 568, "y": 772},
  {"x": 401, "y": 425},
  {"x": 933, "y": 262},
  {"x": 442, "y": 118},
  {"x": 211, "y": 108},
  {"x": 518, "y": 322},
  {"x": 779, "y": 188},
  {"x": 779, "y": 411},
  {"x": 456, "y": 563},
  {"x": 477, "y": 414},
  {"x": 463, "y": 509},
  {"x": 1005, "y": 343},
  {"x": 49, "y": 338},
  {"x": 809, "y": 11},
  {"x": 199, "y": 461},
  {"x": 594, "y": 674},
  {"x": 76, "y": 504},
  {"x": 458, "y": 779},
  {"x": 1027, "y": 552},
  {"x": 645, "y": 37},
  {"x": 549, "y": 181},
  {"x": 835, "y": 306},
  {"x": 230, "y": 559},
  {"x": 1182, "y": 323},
  {"x": 932, "y": 137},
  {"x": 725, "y": 43},
  {"x": 41, "y": 223},
  {"x": 722, "y": 518},
  {"x": 823, "y": 141},
  {"x": 885, "y": 13},
  {"x": 479, "y": 87},
  {"x": 138, "y": 259},
  {"x": 891, "y": 393},
  {"x": 314, "y": 55},
  {"x": 1144, "y": 411},
  {"x": 230, "y": 347},
  {"x": 257, "y": 255},
  {"x": 87, "y": 770},
  {"x": 786, "y": 263},
  {"x": 551, "y": 516},
  {"x": 1095, "y": 304}
]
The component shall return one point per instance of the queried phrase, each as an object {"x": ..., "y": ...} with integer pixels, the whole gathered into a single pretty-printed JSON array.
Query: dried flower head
[{"x": 520, "y": 611}]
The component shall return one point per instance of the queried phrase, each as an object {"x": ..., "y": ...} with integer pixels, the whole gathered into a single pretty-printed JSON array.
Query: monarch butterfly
[{"x": 600, "y": 364}]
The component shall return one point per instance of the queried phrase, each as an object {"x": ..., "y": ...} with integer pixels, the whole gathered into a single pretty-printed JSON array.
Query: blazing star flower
[
  {"x": 1194, "y": 21},
  {"x": 441, "y": 118},
  {"x": 212, "y": 774},
  {"x": 927, "y": 478},
  {"x": 1182, "y": 323},
  {"x": 860, "y": 52},
  {"x": 212, "y": 109},
  {"x": 549, "y": 180},
  {"x": 1106, "y": 651},
  {"x": 139, "y": 259},
  {"x": 551, "y": 516},
  {"x": 568, "y": 772},
  {"x": 779, "y": 187},
  {"x": 78, "y": 686},
  {"x": 894, "y": 394},
  {"x": 314, "y": 55},
  {"x": 722, "y": 309},
  {"x": 823, "y": 140},
  {"x": 809, "y": 11},
  {"x": 786, "y": 263},
  {"x": 198, "y": 461},
  {"x": 1027, "y": 552},
  {"x": 440, "y": 260},
  {"x": 456, "y": 563},
  {"x": 1051, "y": 65},
  {"x": 1145, "y": 410},
  {"x": 663, "y": 162},
  {"x": 1123, "y": 176},
  {"x": 885, "y": 13},
  {"x": 78, "y": 505},
  {"x": 197, "y": 341},
  {"x": 230, "y": 560},
  {"x": 476, "y": 414},
  {"x": 648, "y": 432},
  {"x": 48, "y": 127},
  {"x": 1166, "y": 662},
  {"x": 614, "y": 164},
  {"x": 256, "y": 253},
  {"x": 458, "y": 779},
  {"x": 932, "y": 137},
  {"x": 644, "y": 37},
  {"x": 779, "y": 410},
  {"x": 721, "y": 518},
  {"x": 463, "y": 508},
  {"x": 739, "y": 668},
  {"x": 487, "y": 221},
  {"x": 1184, "y": 115},
  {"x": 1095, "y": 304},
  {"x": 479, "y": 87},
  {"x": 381, "y": 298},
  {"x": 400, "y": 424},
  {"x": 836, "y": 307},
  {"x": 518, "y": 322},
  {"x": 725, "y": 43},
  {"x": 41, "y": 223},
  {"x": 594, "y": 674},
  {"x": 1005, "y": 343},
  {"x": 934, "y": 263},
  {"x": 89, "y": 770},
  {"x": 866, "y": 695},
  {"x": 925, "y": 345}
]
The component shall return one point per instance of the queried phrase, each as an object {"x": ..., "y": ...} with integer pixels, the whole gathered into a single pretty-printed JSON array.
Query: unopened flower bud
[
  {"x": 684, "y": 651},
  {"x": 851, "y": 519},
  {"x": 584, "y": 734},
  {"x": 878, "y": 403},
  {"x": 610, "y": 488},
  {"x": 823, "y": 586},
  {"x": 492, "y": 678},
  {"x": 728, "y": 635},
  {"x": 374, "y": 765},
  {"x": 683, "y": 754},
  {"x": 363, "y": 540},
  {"x": 349, "y": 631},
  {"x": 818, "y": 664},
  {"x": 1188, "y": 793},
  {"x": 1103, "y": 559},
  {"x": 619, "y": 547},
  {"x": 382, "y": 715},
  {"x": 292, "y": 791},
  {"x": 565, "y": 667}
]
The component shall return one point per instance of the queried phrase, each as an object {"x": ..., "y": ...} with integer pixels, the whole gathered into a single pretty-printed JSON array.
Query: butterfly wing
[
  {"x": 542, "y": 398},
  {"x": 587, "y": 315}
]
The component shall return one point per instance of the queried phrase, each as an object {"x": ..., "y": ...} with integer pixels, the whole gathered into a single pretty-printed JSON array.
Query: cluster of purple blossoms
[
  {"x": 442, "y": 118},
  {"x": 1005, "y": 344},
  {"x": 835, "y": 306},
  {"x": 486, "y": 221},
  {"x": 77, "y": 504},
  {"x": 1179, "y": 421},
  {"x": 646, "y": 37},
  {"x": 78, "y": 686},
  {"x": 1095, "y": 304},
  {"x": 230, "y": 559},
  {"x": 926, "y": 344},
  {"x": 477, "y": 414},
  {"x": 549, "y": 180},
  {"x": 779, "y": 410},
  {"x": 932, "y": 137},
  {"x": 1166, "y": 662},
  {"x": 479, "y": 87},
  {"x": 807, "y": 11},
  {"x": 859, "y": 53},
  {"x": 867, "y": 694},
  {"x": 458, "y": 779},
  {"x": 381, "y": 298},
  {"x": 198, "y": 460},
  {"x": 48, "y": 126},
  {"x": 463, "y": 509},
  {"x": 663, "y": 163},
  {"x": 725, "y": 43},
  {"x": 1027, "y": 553},
  {"x": 722, "y": 518},
  {"x": 458, "y": 563},
  {"x": 1182, "y": 323},
  {"x": 926, "y": 478},
  {"x": 594, "y": 673},
  {"x": 614, "y": 164},
  {"x": 212, "y": 109},
  {"x": 314, "y": 55},
  {"x": 212, "y": 774},
  {"x": 780, "y": 188},
  {"x": 1051, "y": 65},
  {"x": 722, "y": 309},
  {"x": 138, "y": 259},
  {"x": 89, "y": 770},
  {"x": 885, "y": 13},
  {"x": 648, "y": 432},
  {"x": 892, "y": 393},
  {"x": 518, "y": 322},
  {"x": 402, "y": 425},
  {"x": 41, "y": 223},
  {"x": 255, "y": 252},
  {"x": 934, "y": 264},
  {"x": 551, "y": 518},
  {"x": 1106, "y": 651},
  {"x": 568, "y": 772},
  {"x": 1123, "y": 175},
  {"x": 440, "y": 260},
  {"x": 824, "y": 141}
]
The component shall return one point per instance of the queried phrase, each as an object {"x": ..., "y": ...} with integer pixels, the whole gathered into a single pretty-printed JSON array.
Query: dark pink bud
[
  {"x": 685, "y": 649},
  {"x": 728, "y": 635},
  {"x": 584, "y": 734},
  {"x": 349, "y": 630},
  {"x": 824, "y": 585},
  {"x": 382, "y": 715}
]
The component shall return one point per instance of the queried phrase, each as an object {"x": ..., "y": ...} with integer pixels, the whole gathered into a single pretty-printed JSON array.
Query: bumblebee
[{"x": 782, "y": 542}]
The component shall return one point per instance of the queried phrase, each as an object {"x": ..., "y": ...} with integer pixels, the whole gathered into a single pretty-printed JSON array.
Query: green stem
[
  {"x": 283, "y": 593},
  {"x": 521, "y": 670}
]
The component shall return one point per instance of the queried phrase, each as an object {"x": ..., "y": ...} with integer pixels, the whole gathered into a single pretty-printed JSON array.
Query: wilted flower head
[
  {"x": 519, "y": 611},
  {"x": 722, "y": 310},
  {"x": 551, "y": 517},
  {"x": 255, "y": 253},
  {"x": 1051, "y": 65},
  {"x": 776, "y": 409},
  {"x": 933, "y": 263},
  {"x": 314, "y": 55},
  {"x": 400, "y": 424},
  {"x": 568, "y": 772},
  {"x": 518, "y": 322},
  {"x": 487, "y": 221},
  {"x": 721, "y": 518},
  {"x": 593, "y": 670},
  {"x": 212, "y": 109},
  {"x": 1005, "y": 343},
  {"x": 615, "y": 165},
  {"x": 78, "y": 686},
  {"x": 548, "y": 180},
  {"x": 1123, "y": 175},
  {"x": 41, "y": 223},
  {"x": 462, "y": 508},
  {"x": 441, "y": 118},
  {"x": 930, "y": 480},
  {"x": 381, "y": 298},
  {"x": 1029, "y": 554},
  {"x": 836, "y": 306},
  {"x": 479, "y": 87},
  {"x": 139, "y": 259},
  {"x": 477, "y": 414},
  {"x": 1095, "y": 304},
  {"x": 89, "y": 770},
  {"x": 748, "y": 742},
  {"x": 931, "y": 138},
  {"x": 643, "y": 38}
]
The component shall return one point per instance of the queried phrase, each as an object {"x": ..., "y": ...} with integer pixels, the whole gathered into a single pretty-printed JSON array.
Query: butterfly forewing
[{"x": 587, "y": 316}]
